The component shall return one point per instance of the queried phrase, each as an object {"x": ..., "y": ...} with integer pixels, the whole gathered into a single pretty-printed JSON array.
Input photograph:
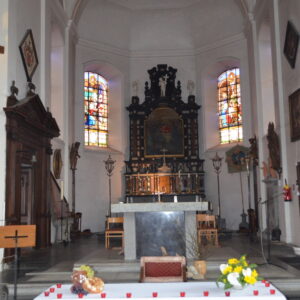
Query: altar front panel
[{"x": 160, "y": 229}]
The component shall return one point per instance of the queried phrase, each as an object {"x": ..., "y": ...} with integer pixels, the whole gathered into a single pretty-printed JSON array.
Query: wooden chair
[
  {"x": 163, "y": 269},
  {"x": 206, "y": 228},
  {"x": 114, "y": 229}
]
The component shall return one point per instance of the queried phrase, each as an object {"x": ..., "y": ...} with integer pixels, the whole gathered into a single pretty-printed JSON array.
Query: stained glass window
[
  {"x": 230, "y": 107},
  {"x": 95, "y": 110}
]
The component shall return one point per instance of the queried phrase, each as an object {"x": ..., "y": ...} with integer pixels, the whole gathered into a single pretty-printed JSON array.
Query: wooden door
[{"x": 27, "y": 194}]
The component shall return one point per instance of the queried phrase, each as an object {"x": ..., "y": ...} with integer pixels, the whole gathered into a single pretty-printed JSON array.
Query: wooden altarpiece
[
  {"x": 164, "y": 149},
  {"x": 30, "y": 128}
]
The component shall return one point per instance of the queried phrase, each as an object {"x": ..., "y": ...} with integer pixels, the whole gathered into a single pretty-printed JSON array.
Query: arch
[{"x": 210, "y": 76}]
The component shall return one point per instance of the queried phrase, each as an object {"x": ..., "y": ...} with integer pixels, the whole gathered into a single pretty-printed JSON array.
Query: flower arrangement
[{"x": 238, "y": 273}]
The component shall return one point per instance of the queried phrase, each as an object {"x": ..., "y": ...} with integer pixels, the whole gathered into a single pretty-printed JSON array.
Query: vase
[
  {"x": 200, "y": 266},
  {"x": 238, "y": 287}
]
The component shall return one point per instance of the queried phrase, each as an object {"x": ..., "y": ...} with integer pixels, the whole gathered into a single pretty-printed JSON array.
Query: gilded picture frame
[{"x": 28, "y": 54}]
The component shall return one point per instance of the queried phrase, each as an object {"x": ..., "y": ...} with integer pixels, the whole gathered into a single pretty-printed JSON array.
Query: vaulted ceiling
[{"x": 74, "y": 8}]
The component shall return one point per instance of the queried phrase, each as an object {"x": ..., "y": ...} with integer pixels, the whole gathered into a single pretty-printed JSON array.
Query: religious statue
[
  {"x": 162, "y": 84},
  {"x": 253, "y": 150},
  {"x": 274, "y": 148},
  {"x": 135, "y": 87},
  {"x": 74, "y": 155},
  {"x": 190, "y": 86}
]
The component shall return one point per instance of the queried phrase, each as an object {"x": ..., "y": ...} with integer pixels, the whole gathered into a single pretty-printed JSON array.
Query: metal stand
[
  {"x": 217, "y": 164},
  {"x": 109, "y": 166}
]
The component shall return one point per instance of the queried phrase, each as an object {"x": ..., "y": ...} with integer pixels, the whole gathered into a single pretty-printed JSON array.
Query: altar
[
  {"x": 150, "y": 226},
  {"x": 168, "y": 291}
]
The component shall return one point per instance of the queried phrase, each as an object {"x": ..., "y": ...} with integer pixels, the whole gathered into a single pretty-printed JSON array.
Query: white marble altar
[{"x": 129, "y": 211}]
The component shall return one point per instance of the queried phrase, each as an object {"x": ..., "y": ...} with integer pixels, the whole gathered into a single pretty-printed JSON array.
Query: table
[{"x": 170, "y": 291}]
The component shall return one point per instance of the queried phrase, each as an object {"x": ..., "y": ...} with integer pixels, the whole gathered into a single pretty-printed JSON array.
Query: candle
[{"x": 62, "y": 190}]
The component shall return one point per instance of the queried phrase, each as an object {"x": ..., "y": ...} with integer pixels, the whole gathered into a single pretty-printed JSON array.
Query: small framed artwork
[
  {"x": 28, "y": 54},
  {"x": 291, "y": 44},
  {"x": 294, "y": 105}
]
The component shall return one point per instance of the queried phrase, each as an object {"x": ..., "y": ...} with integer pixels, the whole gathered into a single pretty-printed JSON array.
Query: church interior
[{"x": 150, "y": 114}]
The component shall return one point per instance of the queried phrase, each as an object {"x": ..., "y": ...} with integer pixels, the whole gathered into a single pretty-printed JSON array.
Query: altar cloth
[{"x": 170, "y": 291}]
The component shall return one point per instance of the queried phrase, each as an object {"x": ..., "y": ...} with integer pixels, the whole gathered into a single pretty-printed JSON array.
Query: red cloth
[{"x": 163, "y": 269}]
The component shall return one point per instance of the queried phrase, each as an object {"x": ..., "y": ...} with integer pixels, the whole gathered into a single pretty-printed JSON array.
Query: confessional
[{"x": 30, "y": 128}]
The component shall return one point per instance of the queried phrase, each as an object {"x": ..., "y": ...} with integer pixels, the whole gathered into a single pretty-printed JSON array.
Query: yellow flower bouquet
[{"x": 238, "y": 273}]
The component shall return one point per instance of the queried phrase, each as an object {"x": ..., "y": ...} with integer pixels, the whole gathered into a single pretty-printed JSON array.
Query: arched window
[
  {"x": 95, "y": 110},
  {"x": 230, "y": 107}
]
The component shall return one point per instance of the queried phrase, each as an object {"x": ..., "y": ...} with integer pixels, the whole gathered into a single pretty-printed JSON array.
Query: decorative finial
[
  {"x": 31, "y": 89},
  {"x": 13, "y": 89}
]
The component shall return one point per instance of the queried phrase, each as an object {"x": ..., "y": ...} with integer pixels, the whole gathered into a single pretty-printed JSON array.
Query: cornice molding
[
  {"x": 221, "y": 43},
  {"x": 103, "y": 47},
  {"x": 159, "y": 53}
]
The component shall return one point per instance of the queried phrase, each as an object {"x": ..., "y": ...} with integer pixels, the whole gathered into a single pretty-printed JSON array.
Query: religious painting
[
  {"x": 28, "y": 54},
  {"x": 291, "y": 44},
  {"x": 164, "y": 133},
  {"x": 294, "y": 104},
  {"x": 235, "y": 158}
]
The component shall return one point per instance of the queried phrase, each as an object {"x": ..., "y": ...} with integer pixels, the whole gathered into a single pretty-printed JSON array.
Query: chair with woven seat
[
  {"x": 114, "y": 229},
  {"x": 163, "y": 269},
  {"x": 206, "y": 228}
]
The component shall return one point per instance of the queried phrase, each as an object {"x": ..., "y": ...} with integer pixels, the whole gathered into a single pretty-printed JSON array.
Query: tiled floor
[{"x": 55, "y": 264}]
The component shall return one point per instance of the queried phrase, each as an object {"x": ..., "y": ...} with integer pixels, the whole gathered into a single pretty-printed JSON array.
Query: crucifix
[{"x": 17, "y": 236}]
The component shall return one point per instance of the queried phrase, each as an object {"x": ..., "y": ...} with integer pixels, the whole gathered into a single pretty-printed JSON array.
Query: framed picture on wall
[
  {"x": 291, "y": 44},
  {"x": 28, "y": 54},
  {"x": 294, "y": 106}
]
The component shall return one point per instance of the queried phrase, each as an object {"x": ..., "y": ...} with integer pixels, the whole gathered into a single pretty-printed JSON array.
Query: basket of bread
[{"x": 84, "y": 281}]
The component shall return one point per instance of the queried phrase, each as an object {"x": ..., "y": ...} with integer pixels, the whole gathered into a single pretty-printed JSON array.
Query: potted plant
[{"x": 199, "y": 252}]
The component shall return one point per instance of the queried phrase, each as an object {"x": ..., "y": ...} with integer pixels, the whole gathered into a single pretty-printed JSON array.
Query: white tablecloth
[{"x": 169, "y": 291}]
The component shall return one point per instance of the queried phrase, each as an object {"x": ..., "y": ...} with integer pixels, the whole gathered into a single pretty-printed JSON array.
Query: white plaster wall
[
  {"x": 212, "y": 21},
  {"x": 92, "y": 194},
  {"x": 105, "y": 22},
  {"x": 161, "y": 30},
  {"x": 57, "y": 78},
  {"x": 21, "y": 20},
  {"x": 210, "y": 64},
  {"x": 289, "y": 10}
]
